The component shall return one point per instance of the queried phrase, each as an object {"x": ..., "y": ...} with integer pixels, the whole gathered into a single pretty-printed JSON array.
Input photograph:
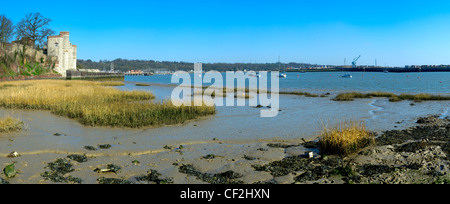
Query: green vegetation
[
  {"x": 112, "y": 83},
  {"x": 345, "y": 138},
  {"x": 24, "y": 61},
  {"x": 306, "y": 94},
  {"x": 142, "y": 85},
  {"x": 125, "y": 65},
  {"x": 20, "y": 64},
  {"x": 239, "y": 92},
  {"x": 392, "y": 97},
  {"x": 94, "y": 104}
]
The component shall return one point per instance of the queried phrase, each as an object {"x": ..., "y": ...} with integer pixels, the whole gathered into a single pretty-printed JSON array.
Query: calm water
[
  {"x": 301, "y": 117},
  {"x": 436, "y": 83}
]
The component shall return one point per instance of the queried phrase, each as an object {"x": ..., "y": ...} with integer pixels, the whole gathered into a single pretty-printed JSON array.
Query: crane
[{"x": 354, "y": 61}]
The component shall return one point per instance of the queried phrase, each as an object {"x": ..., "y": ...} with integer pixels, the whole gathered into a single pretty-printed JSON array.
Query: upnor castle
[{"x": 62, "y": 52}]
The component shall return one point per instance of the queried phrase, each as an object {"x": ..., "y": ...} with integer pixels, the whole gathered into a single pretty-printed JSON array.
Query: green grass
[
  {"x": 299, "y": 93},
  {"x": 142, "y": 85}
]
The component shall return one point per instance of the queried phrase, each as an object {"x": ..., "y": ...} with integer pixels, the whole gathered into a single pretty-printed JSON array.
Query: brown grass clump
[
  {"x": 350, "y": 96},
  {"x": 345, "y": 138},
  {"x": 92, "y": 103},
  {"x": 8, "y": 124}
]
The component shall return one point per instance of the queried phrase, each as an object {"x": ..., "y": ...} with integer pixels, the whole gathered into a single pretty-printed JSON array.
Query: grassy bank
[
  {"x": 392, "y": 97},
  {"x": 95, "y": 104}
]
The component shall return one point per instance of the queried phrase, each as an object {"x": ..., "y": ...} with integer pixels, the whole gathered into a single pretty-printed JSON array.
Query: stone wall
[
  {"x": 11, "y": 48},
  {"x": 63, "y": 52},
  {"x": 72, "y": 74}
]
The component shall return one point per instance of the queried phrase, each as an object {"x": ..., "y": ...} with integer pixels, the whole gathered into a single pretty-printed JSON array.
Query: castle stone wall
[{"x": 60, "y": 48}]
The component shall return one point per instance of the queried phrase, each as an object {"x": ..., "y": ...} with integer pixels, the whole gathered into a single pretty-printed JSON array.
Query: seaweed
[
  {"x": 153, "y": 176},
  {"x": 228, "y": 177}
]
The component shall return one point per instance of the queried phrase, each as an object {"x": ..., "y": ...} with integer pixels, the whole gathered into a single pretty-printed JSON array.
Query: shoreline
[
  {"x": 400, "y": 156},
  {"x": 191, "y": 153}
]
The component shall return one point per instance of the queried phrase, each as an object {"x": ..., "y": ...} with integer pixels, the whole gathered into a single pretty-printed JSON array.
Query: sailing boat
[{"x": 283, "y": 74}]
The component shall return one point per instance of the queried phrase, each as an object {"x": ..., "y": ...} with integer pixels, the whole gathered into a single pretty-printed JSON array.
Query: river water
[{"x": 300, "y": 117}]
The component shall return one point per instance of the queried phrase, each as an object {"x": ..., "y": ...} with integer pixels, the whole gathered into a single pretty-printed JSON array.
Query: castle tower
[{"x": 62, "y": 52}]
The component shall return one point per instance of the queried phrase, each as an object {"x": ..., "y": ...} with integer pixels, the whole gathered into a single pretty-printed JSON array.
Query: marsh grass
[
  {"x": 345, "y": 138},
  {"x": 299, "y": 93},
  {"x": 9, "y": 124},
  {"x": 112, "y": 83},
  {"x": 350, "y": 96},
  {"x": 93, "y": 103},
  {"x": 238, "y": 92},
  {"x": 140, "y": 84}
]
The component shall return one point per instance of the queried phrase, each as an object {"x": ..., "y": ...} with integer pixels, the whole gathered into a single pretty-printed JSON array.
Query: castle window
[{"x": 56, "y": 44}]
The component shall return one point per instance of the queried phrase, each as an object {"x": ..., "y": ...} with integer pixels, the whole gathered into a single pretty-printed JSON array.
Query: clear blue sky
[{"x": 396, "y": 33}]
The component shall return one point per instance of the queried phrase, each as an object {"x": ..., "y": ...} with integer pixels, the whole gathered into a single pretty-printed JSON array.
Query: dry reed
[
  {"x": 94, "y": 104},
  {"x": 345, "y": 138},
  {"x": 8, "y": 124}
]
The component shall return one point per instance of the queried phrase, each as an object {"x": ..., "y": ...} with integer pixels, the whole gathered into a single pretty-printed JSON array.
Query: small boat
[
  {"x": 282, "y": 75},
  {"x": 346, "y": 76},
  {"x": 255, "y": 75},
  {"x": 386, "y": 71}
]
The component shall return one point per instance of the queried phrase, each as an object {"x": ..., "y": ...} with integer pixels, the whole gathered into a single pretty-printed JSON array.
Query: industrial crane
[{"x": 354, "y": 61}]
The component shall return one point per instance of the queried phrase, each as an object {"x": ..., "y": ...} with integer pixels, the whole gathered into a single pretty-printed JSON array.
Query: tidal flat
[{"x": 234, "y": 145}]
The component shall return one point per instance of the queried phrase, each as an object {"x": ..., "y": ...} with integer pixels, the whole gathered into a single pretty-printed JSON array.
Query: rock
[
  {"x": 153, "y": 176},
  {"x": 109, "y": 168},
  {"x": 91, "y": 148},
  {"x": 279, "y": 145},
  {"x": 104, "y": 146},
  {"x": 58, "y": 171},
  {"x": 3, "y": 181},
  {"x": 13, "y": 154},
  {"x": 228, "y": 177},
  {"x": 209, "y": 156},
  {"x": 103, "y": 180},
  {"x": 77, "y": 157}
]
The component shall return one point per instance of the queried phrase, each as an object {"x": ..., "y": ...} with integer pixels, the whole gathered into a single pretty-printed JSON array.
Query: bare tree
[
  {"x": 34, "y": 26},
  {"x": 6, "y": 29}
]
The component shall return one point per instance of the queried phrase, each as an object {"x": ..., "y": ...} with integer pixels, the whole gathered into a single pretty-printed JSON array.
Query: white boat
[
  {"x": 282, "y": 75},
  {"x": 346, "y": 76}
]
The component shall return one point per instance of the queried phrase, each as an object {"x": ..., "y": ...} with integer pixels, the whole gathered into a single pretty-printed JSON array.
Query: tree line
[
  {"x": 32, "y": 31},
  {"x": 33, "y": 26},
  {"x": 124, "y": 65}
]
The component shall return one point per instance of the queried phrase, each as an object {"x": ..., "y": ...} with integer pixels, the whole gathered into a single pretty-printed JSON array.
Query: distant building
[{"x": 62, "y": 52}]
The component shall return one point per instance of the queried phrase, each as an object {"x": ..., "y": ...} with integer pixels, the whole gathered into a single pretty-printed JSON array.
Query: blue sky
[{"x": 396, "y": 33}]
